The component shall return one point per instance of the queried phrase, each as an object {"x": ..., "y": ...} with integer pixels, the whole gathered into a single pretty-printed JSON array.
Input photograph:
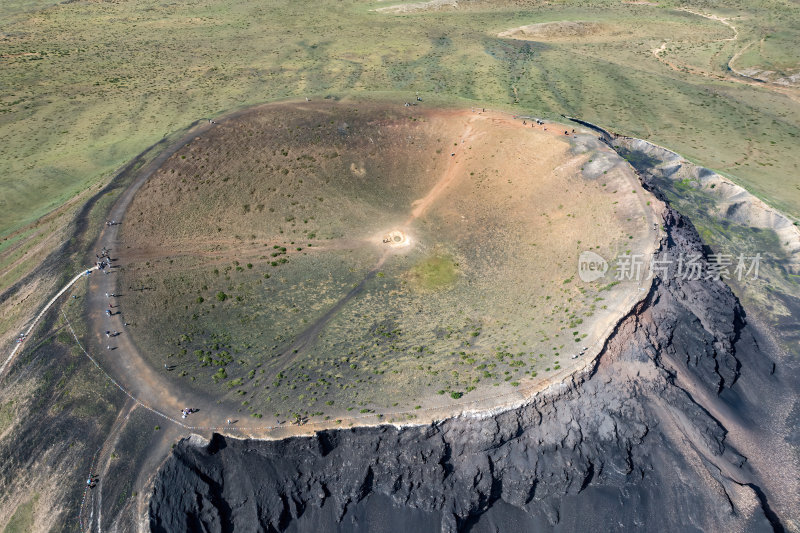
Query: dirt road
[{"x": 737, "y": 75}]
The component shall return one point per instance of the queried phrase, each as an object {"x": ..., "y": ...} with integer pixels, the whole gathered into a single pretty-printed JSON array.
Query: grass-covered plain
[{"x": 87, "y": 85}]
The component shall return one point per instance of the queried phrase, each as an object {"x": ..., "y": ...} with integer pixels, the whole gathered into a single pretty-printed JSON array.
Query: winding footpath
[
  {"x": 36, "y": 320},
  {"x": 738, "y": 76}
]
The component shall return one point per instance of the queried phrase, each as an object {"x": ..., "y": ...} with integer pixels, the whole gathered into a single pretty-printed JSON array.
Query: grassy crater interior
[{"x": 331, "y": 257}]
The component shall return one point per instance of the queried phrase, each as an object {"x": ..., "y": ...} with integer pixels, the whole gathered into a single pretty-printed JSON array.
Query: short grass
[
  {"x": 435, "y": 272},
  {"x": 77, "y": 104},
  {"x": 22, "y": 519},
  {"x": 7, "y": 412},
  {"x": 22, "y": 8},
  {"x": 775, "y": 51}
]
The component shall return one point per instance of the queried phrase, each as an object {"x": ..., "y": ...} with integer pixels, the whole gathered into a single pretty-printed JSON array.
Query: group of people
[
  {"x": 541, "y": 123},
  {"x": 111, "y": 222},
  {"x": 109, "y": 312},
  {"x": 103, "y": 260},
  {"x": 538, "y": 123},
  {"x": 583, "y": 351},
  {"x": 187, "y": 411}
]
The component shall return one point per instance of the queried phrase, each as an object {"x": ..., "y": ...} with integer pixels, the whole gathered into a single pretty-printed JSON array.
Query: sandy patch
[
  {"x": 431, "y": 5},
  {"x": 554, "y": 30}
]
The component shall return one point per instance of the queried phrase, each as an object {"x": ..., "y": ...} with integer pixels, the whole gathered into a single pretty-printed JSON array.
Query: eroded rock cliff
[{"x": 636, "y": 442}]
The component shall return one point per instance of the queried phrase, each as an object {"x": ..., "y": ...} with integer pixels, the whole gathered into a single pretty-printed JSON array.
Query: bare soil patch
[
  {"x": 566, "y": 29},
  {"x": 414, "y": 7}
]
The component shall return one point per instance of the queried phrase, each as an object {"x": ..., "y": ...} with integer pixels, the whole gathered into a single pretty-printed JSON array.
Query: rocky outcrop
[
  {"x": 632, "y": 443},
  {"x": 733, "y": 203}
]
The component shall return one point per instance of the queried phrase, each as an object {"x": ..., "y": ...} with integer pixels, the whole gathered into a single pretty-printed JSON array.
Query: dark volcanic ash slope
[{"x": 638, "y": 442}]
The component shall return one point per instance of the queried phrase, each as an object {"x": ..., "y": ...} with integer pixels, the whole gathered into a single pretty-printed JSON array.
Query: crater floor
[{"x": 363, "y": 262}]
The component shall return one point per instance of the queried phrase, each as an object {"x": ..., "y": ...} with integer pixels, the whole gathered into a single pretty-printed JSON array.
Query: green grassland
[
  {"x": 774, "y": 51},
  {"x": 435, "y": 272},
  {"x": 392, "y": 347},
  {"x": 22, "y": 520},
  {"x": 87, "y": 85}
]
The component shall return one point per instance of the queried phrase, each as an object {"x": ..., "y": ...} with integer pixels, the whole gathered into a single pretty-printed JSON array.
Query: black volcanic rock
[{"x": 631, "y": 444}]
